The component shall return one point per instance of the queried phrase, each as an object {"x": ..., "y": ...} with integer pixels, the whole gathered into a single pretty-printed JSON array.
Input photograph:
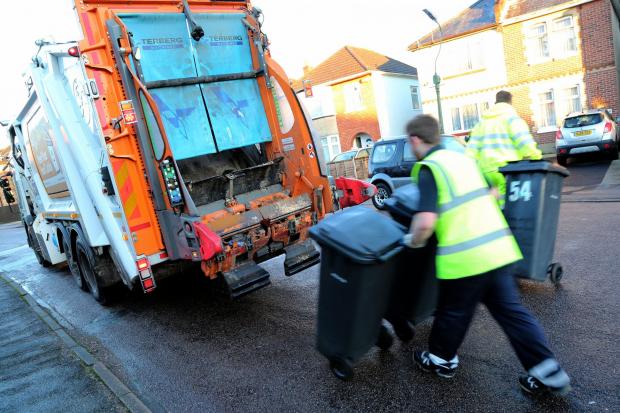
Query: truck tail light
[
  {"x": 558, "y": 135},
  {"x": 608, "y": 127},
  {"x": 146, "y": 275}
]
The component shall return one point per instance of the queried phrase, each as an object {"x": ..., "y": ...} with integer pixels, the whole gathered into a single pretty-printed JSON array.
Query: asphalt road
[{"x": 184, "y": 348}]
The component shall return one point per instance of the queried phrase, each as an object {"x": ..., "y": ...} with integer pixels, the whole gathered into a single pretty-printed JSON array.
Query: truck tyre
[
  {"x": 73, "y": 265},
  {"x": 94, "y": 271},
  {"x": 34, "y": 245}
]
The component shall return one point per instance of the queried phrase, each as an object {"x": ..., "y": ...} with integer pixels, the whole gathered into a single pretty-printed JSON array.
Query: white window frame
[
  {"x": 353, "y": 99},
  {"x": 333, "y": 146},
  {"x": 415, "y": 97},
  {"x": 535, "y": 42},
  {"x": 544, "y": 123},
  {"x": 556, "y": 39},
  {"x": 480, "y": 106},
  {"x": 557, "y": 45}
]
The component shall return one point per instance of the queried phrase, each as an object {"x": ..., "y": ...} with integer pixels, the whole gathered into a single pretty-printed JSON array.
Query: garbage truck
[{"x": 167, "y": 138}]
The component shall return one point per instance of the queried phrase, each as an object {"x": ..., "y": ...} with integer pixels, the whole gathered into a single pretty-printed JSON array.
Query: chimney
[{"x": 307, "y": 69}]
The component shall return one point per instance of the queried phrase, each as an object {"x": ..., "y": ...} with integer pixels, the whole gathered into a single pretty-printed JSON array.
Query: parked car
[
  {"x": 587, "y": 132},
  {"x": 350, "y": 164},
  {"x": 391, "y": 163}
]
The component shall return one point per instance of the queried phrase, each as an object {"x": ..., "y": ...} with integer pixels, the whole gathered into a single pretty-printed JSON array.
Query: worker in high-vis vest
[
  {"x": 475, "y": 250},
  {"x": 501, "y": 137}
]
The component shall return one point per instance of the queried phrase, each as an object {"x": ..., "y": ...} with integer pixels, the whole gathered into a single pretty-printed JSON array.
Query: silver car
[{"x": 587, "y": 132}]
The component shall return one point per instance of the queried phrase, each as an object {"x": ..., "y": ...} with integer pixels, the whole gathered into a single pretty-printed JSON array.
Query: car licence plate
[{"x": 583, "y": 132}]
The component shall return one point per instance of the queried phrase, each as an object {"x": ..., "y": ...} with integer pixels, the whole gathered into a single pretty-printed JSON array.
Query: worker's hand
[
  {"x": 409, "y": 242},
  {"x": 495, "y": 192}
]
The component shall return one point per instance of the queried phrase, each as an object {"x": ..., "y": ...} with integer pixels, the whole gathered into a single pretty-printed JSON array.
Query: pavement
[
  {"x": 185, "y": 348},
  {"x": 38, "y": 371}
]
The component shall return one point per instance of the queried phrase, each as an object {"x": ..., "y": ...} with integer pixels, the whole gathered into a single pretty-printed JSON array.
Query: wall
[
  {"x": 600, "y": 55},
  {"x": 489, "y": 74},
  {"x": 363, "y": 121},
  {"x": 394, "y": 102}
]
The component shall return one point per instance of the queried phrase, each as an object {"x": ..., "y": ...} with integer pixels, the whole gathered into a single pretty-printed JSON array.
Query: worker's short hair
[
  {"x": 503, "y": 96},
  {"x": 424, "y": 127}
]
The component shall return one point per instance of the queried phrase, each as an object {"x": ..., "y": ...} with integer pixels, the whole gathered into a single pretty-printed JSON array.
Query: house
[
  {"x": 357, "y": 97},
  {"x": 555, "y": 56}
]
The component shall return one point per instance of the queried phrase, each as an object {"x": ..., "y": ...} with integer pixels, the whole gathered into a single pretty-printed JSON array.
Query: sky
[{"x": 301, "y": 32}]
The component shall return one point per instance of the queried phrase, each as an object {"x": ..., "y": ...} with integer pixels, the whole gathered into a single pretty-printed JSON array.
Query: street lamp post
[{"x": 436, "y": 78}]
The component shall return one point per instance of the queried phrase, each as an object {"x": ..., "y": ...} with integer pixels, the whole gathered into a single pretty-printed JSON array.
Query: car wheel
[
  {"x": 614, "y": 155},
  {"x": 383, "y": 193},
  {"x": 563, "y": 160}
]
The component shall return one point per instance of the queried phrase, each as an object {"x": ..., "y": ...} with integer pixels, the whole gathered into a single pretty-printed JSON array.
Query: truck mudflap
[
  {"x": 245, "y": 279},
  {"x": 353, "y": 192},
  {"x": 299, "y": 257}
]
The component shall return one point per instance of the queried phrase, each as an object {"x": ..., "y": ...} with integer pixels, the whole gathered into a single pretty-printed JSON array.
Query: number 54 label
[{"x": 520, "y": 190}]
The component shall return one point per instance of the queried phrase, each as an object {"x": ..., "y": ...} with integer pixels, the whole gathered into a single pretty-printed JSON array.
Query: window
[
  {"x": 383, "y": 153},
  {"x": 572, "y": 99},
  {"x": 555, "y": 104},
  {"x": 470, "y": 116},
  {"x": 467, "y": 116},
  {"x": 539, "y": 41},
  {"x": 331, "y": 146},
  {"x": 415, "y": 97},
  {"x": 462, "y": 56},
  {"x": 555, "y": 38},
  {"x": 564, "y": 35},
  {"x": 353, "y": 97},
  {"x": 321, "y": 104},
  {"x": 583, "y": 120},
  {"x": 408, "y": 155},
  {"x": 547, "y": 109},
  {"x": 456, "y": 119}
]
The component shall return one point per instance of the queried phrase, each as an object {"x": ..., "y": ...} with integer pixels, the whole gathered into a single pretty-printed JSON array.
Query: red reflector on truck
[{"x": 143, "y": 264}]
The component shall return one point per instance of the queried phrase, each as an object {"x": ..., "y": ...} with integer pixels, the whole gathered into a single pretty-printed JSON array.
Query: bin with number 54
[{"x": 532, "y": 210}]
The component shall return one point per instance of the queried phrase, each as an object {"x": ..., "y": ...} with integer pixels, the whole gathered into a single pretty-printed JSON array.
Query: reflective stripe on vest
[{"x": 473, "y": 236}]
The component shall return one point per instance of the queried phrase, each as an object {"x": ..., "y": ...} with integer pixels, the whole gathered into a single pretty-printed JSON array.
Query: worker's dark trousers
[{"x": 498, "y": 291}]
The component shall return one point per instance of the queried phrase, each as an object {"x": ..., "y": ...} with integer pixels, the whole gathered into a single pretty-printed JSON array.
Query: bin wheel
[
  {"x": 385, "y": 339},
  {"x": 555, "y": 272},
  {"x": 342, "y": 368}
]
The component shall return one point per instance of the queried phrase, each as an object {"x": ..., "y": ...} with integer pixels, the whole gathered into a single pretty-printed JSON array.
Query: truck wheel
[
  {"x": 383, "y": 193},
  {"x": 341, "y": 368},
  {"x": 91, "y": 269},
  {"x": 73, "y": 265}
]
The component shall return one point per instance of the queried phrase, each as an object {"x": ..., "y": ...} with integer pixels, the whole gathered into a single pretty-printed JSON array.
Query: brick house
[
  {"x": 358, "y": 97},
  {"x": 555, "y": 56}
]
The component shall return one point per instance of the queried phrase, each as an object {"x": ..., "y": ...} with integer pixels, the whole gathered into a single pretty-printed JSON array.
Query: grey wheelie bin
[
  {"x": 414, "y": 291},
  {"x": 359, "y": 252},
  {"x": 532, "y": 209}
]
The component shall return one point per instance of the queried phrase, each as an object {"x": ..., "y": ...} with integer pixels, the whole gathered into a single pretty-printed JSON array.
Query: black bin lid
[
  {"x": 533, "y": 166},
  {"x": 363, "y": 235},
  {"x": 405, "y": 200}
]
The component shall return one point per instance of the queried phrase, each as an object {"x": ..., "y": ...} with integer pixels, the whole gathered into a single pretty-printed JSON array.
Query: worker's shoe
[
  {"x": 546, "y": 377},
  {"x": 430, "y": 363}
]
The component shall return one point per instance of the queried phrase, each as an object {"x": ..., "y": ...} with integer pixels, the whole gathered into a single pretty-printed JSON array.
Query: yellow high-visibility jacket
[{"x": 501, "y": 137}]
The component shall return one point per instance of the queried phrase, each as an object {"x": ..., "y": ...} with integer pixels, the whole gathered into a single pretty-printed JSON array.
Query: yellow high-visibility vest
[{"x": 472, "y": 233}]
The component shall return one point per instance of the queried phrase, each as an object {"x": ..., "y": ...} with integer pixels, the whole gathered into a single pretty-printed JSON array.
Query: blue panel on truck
[
  {"x": 166, "y": 52},
  {"x": 225, "y": 48},
  {"x": 237, "y": 113},
  {"x": 236, "y": 109}
]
